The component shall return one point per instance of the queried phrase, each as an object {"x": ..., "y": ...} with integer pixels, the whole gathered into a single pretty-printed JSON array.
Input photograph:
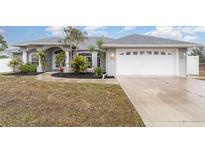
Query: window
[
  {"x": 135, "y": 53},
  {"x": 89, "y": 57},
  {"x": 121, "y": 54},
  {"x": 149, "y": 52},
  {"x": 169, "y": 53},
  {"x": 156, "y": 52},
  {"x": 128, "y": 53},
  {"x": 142, "y": 52},
  {"x": 35, "y": 59},
  {"x": 163, "y": 53}
]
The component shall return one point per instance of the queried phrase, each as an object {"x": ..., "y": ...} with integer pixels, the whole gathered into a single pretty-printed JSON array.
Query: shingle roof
[
  {"x": 51, "y": 40},
  {"x": 134, "y": 40},
  {"x": 137, "y": 39},
  {"x": 59, "y": 41},
  {"x": 92, "y": 41}
]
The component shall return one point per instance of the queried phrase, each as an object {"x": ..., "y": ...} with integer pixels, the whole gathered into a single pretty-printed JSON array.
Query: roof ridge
[
  {"x": 162, "y": 38},
  {"x": 151, "y": 37}
]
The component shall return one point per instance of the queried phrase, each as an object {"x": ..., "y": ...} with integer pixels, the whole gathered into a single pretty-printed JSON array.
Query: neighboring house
[
  {"x": 10, "y": 51},
  {"x": 5, "y": 54},
  {"x": 130, "y": 55}
]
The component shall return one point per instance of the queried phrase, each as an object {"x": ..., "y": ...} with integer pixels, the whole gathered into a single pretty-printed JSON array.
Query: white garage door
[{"x": 145, "y": 62}]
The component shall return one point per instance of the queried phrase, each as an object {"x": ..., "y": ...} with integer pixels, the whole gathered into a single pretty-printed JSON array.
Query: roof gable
[{"x": 144, "y": 39}]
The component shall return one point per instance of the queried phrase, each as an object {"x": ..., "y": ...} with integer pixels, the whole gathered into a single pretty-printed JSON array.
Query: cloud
[
  {"x": 167, "y": 32},
  {"x": 192, "y": 30},
  {"x": 56, "y": 31},
  {"x": 96, "y": 30},
  {"x": 178, "y": 33},
  {"x": 1, "y": 31},
  {"x": 190, "y": 38},
  {"x": 127, "y": 28}
]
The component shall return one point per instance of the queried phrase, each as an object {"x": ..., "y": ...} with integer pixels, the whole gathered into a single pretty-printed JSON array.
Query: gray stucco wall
[
  {"x": 49, "y": 56},
  {"x": 182, "y": 61},
  {"x": 111, "y": 62},
  {"x": 103, "y": 61}
]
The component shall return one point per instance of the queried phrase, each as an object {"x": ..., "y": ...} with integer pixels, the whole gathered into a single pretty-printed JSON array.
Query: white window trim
[{"x": 30, "y": 58}]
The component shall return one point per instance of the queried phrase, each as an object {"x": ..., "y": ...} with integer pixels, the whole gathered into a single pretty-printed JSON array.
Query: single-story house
[{"x": 130, "y": 55}]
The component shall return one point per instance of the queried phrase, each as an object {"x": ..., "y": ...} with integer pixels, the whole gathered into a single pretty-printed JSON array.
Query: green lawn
[{"x": 25, "y": 101}]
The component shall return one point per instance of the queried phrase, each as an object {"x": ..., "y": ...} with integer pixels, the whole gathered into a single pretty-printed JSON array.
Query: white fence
[
  {"x": 192, "y": 65},
  {"x": 4, "y": 65}
]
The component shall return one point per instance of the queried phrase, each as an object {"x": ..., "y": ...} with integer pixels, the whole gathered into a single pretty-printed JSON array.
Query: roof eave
[
  {"x": 151, "y": 45},
  {"x": 24, "y": 45}
]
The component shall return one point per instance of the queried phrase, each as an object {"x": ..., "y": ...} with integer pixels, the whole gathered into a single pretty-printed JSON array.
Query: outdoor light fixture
[{"x": 112, "y": 55}]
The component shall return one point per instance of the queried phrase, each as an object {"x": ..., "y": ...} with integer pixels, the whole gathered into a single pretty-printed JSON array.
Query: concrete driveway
[{"x": 167, "y": 101}]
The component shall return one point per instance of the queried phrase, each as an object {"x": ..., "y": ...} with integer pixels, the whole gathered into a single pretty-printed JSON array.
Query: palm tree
[
  {"x": 91, "y": 48},
  {"x": 99, "y": 44},
  {"x": 3, "y": 44},
  {"x": 74, "y": 37}
]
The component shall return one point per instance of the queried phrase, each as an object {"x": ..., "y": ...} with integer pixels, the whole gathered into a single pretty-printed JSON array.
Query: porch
[{"x": 31, "y": 56}]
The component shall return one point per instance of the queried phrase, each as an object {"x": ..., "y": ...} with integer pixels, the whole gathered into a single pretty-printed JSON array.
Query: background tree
[
  {"x": 3, "y": 44},
  {"x": 198, "y": 52},
  {"x": 91, "y": 48},
  {"x": 43, "y": 59},
  {"x": 100, "y": 43}
]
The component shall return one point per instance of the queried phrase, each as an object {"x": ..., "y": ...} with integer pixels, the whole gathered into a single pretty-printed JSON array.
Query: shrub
[
  {"x": 27, "y": 68},
  {"x": 79, "y": 64},
  {"x": 98, "y": 72},
  {"x": 202, "y": 60},
  {"x": 4, "y": 56},
  {"x": 15, "y": 63}
]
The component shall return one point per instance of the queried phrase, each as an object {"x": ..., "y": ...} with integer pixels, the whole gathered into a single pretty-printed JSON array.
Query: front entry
[{"x": 54, "y": 67}]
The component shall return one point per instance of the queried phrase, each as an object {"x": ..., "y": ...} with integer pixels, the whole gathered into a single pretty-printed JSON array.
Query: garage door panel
[{"x": 145, "y": 64}]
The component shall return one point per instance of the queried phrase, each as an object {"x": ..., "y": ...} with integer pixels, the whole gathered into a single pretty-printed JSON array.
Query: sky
[{"x": 17, "y": 34}]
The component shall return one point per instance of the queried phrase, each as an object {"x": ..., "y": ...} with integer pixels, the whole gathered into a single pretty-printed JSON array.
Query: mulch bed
[
  {"x": 87, "y": 75},
  {"x": 20, "y": 74}
]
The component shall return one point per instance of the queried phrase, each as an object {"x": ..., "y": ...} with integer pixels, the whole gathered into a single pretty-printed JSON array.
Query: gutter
[
  {"x": 24, "y": 45},
  {"x": 151, "y": 45}
]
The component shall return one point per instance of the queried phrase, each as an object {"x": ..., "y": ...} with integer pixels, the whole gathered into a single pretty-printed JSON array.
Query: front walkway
[{"x": 47, "y": 77}]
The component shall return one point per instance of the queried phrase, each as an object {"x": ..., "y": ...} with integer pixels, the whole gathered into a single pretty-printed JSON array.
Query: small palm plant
[
  {"x": 79, "y": 64},
  {"x": 60, "y": 59},
  {"x": 43, "y": 59},
  {"x": 99, "y": 44},
  {"x": 15, "y": 63},
  {"x": 91, "y": 48}
]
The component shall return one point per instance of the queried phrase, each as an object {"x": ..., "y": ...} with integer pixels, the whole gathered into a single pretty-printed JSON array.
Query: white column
[
  {"x": 94, "y": 59},
  {"x": 177, "y": 62},
  {"x": 67, "y": 65},
  {"x": 25, "y": 57},
  {"x": 39, "y": 67}
]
